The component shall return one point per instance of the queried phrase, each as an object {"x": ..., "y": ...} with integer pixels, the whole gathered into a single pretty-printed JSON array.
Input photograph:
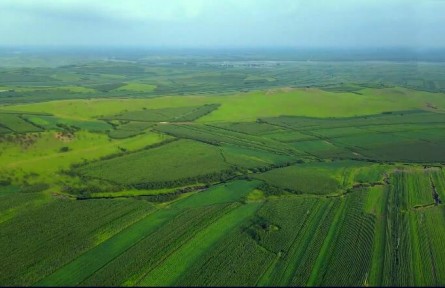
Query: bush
[{"x": 64, "y": 149}]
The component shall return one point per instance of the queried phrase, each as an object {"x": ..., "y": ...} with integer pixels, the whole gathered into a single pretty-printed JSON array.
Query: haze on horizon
[{"x": 224, "y": 23}]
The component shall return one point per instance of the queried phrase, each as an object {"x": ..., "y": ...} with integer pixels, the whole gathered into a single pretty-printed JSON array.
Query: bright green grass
[
  {"x": 68, "y": 88},
  {"x": 122, "y": 134},
  {"x": 317, "y": 103},
  {"x": 76, "y": 89},
  {"x": 253, "y": 105},
  {"x": 153, "y": 115},
  {"x": 136, "y": 192},
  {"x": 255, "y": 195},
  {"x": 249, "y": 127},
  {"x": 222, "y": 193},
  {"x": 43, "y": 156},
  {"x": 137, "y": 87}
]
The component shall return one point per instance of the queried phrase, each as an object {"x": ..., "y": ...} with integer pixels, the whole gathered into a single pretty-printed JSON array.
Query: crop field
[
  {"x": 218, "y": 171},
  {"x": 177, "y": 114},
  {"x": 143, "y": 167},
  {"x": 55, "y": 123},
  {"x": 13, "y": 123},
  {"x": 301, "y": 180}
]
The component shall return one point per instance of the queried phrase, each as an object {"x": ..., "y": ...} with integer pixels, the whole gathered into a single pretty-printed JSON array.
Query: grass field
[{"x": 253, "y": 105}]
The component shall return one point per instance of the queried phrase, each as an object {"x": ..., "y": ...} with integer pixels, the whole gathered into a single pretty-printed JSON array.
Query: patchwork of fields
[{"x": 224, "y": 190}]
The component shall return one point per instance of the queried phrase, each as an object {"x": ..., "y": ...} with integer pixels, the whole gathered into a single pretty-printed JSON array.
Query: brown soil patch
[{"x": 64, "y": 137}]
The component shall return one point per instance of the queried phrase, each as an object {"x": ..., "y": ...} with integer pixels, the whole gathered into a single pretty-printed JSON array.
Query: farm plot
[
  {"x": 314, "y": 178},
  {"x": 218, "y": 136},
  {"x": 15, "y": 123},
  {"x": 205, "y": 208},
  {"x": 393, "y": 147},
  {"x": 131, "y": 266},
  {"x": 431, "y": 223},
  {"x": 173, "y": 164},
  {"x": 38, "y": 232},
  {"x": 397, "y": 265},
  {"x": 176, "y": 265},
  {"x": 297, "y": 179},
  {"x": 384, "y": 119},
  {"x": 409, "y": 239},
  {"x": 130, "y": 129},
  {"x": 372, "y": 174},
  {"x": 175, "y": 114},
  {"x": 326, "y": 149},
  {"x": 254, "y": 128},
  {"x": 252, "y": 158},
  {"x": 378, "y": 137},
  {"x": 56, "y": 123},
  {"x": 294, "y": 229},
  {"x": 235, "y": 260},
  {"x": 417, "y": 183},
  {"x": 289, "y": 136},
  {"x": 13, "y": 203},
  {"x": 349, "y": 259},
  {"x": 136, "y": 87},
  {"x": 377, "y": 205},
  {"x": 438, "y": 178},
  {"x": 414, "y": 239},
  {"x": 338, "y": 132}
]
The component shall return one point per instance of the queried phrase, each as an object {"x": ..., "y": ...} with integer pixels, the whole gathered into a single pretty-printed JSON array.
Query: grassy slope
[
  {"x": 250, "y": 106},
  {"x": 18, "y": 160}
]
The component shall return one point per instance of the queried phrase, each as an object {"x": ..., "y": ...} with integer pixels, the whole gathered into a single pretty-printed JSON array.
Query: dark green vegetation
[
  {"x": 257, "y": 189},
  {"x": 198, "y": 72}
]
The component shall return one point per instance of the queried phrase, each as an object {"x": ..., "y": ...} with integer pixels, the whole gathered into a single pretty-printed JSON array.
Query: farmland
[{"x": 152, "y": 172}]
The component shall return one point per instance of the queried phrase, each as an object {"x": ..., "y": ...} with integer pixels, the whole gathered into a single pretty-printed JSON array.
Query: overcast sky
[{"x": 224, "y": 23}]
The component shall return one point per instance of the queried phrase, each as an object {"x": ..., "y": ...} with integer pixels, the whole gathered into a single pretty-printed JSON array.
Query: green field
[{"x": 222, "y": 171}]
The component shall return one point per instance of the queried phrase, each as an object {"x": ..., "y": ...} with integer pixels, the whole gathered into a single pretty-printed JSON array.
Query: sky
[{"x": 224, "y": 23}]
